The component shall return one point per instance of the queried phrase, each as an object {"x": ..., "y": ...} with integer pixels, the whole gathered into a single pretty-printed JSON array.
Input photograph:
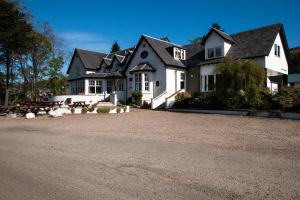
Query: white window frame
[
  {"x": 182, "y": 80},
  {"x": 146, "y": 82},
  {"x": 138, "y": 82},
  {"x": 214, "y": 50},
  {"x": 95, "y": 84},
  {"x": 179, "y": 53},
  {"x": 204, "y": 83}
]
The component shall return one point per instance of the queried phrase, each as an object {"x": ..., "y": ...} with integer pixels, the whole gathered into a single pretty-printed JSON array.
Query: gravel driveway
[{"x": 149, "y": 155}]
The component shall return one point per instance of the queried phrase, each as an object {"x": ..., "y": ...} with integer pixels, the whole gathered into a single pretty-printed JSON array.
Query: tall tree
[
  {"x": 115, "y": 47},
  {"x": 14, "y": 31},
  {"x": 295, "y": 60},
  {"x": 41, "y": 48},
  {"x": 57, "y": 80},
  {"x": 198, "y": 40}
]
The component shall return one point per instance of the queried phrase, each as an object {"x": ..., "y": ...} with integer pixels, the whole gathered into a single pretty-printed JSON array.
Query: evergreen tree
[
  {"x": 14, "y": 31},
  {"x": 115, "y": 47}
]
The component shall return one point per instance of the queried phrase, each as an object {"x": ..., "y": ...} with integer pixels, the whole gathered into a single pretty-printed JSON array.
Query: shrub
[
  {"x": 182, "y": 100},
  {"x": 72, "y": 110},
  {"x": 145, "y": 105},
  {"x": 239, "y": 83},
  {"x": 103, "y": 110},
  {"x": 137, "y": 97},
  {"x": 84, "y": 111},
  {"x": 91, "y": 109},
  {"x": 287, "y": 98},
  {"x": 118, "y": 110}
]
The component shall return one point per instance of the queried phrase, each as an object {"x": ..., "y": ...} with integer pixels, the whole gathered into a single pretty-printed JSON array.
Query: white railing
[
  {"x": 171, "y": 99},
  {"x": 160, "y": 99},
  {"x": 165, "y": 97}
]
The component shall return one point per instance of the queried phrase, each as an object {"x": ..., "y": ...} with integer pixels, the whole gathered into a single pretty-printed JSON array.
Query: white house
[
  {"x": 160, "y": 69},
  {"x": 267, "y": 46}
]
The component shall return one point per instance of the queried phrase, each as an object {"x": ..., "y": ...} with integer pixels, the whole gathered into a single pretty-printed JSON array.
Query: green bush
[
  {"x": 103, "y": 110},
  {"x": 72, "y": 110},
  {"x": 287, "y": 99},
  {"x": 84, "y": 111},
  {"x": 137, "y": 97},
  {"x": 206, "y": 101},
  {"x": 118, "y": 110},
  {"x": 182, "y": 100},
  {"x": 91, "y": 109},
  {"x": 240, "y": 83}
]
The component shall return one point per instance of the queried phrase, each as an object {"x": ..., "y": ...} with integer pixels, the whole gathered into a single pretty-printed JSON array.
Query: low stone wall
[
  {"x": 89, "y": 99},
  {"x": 294, "y": 116}
]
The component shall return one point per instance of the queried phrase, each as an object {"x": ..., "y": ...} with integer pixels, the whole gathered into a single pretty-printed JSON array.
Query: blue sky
[{"x": 94, "y": 25}]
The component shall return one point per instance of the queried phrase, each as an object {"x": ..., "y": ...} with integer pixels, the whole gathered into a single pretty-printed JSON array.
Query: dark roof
[
  {"x": 89, "y": 59},
  {"x": 223, "y": 35},
  {"x": 98, "y": 75},
  {"x": 248, "y": 44},
  {"x": 160, "y": 48},
  {"x": 143, "y": 67},
  {"x": 194, "y": 54},
  {"x": 254, "y": 43}
]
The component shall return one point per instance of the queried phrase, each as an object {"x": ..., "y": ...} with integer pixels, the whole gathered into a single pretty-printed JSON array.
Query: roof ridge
[
  {"x": 161, "y": 40},
  {"x": 259, "y": 28},
  {"x": 90, "y": 51}
]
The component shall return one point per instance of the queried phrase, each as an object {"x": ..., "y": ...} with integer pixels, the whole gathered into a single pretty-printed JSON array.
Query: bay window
[
  {"x": 146, "y": 82},
  {"x": 138, "y": 81},
  {"x": 95, "y": 86}
]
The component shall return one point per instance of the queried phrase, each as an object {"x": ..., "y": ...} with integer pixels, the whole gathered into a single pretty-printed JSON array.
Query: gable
[
  {"x": 277, "y": 63},
  {"x": 152, "y": 58},
  {"x": 76, "y": 67}
]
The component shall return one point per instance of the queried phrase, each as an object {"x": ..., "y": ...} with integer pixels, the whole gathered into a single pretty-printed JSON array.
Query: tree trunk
[
  {"x": 7, "y": 79},
  {"x": 35, "y": 78}
]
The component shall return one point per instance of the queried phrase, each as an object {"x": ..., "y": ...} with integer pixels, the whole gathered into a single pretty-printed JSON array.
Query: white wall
[
  {"x": 158, "y": 75},
  {"x": 173, "y": 77},
  {"x": 274, "y": 62},
  {"x": 207, "y": 70},
  {"x": 215, "y": 40}
]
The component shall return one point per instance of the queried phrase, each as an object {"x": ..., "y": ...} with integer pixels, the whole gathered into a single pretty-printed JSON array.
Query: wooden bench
[{"x": 76, "y": 104}]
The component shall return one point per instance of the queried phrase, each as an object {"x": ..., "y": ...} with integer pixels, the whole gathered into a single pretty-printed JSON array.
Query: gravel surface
[{"x": 149, "y": 155}]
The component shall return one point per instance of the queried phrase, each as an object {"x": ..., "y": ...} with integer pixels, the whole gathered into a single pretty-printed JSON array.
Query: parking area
[{"x": 149, "y": 155}]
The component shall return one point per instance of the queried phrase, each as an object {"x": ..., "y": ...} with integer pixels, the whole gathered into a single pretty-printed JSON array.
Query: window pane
[
  {"x": 92, "y": 90},
  {"x": 278, "y": 50},
  {"x": 98, "y": 89},
  {"x": 210, "y": 53},
  {"x": 146, "y": 82},
  {"x": 218, "y": 51},
  {"x": 211, "y": 82}
]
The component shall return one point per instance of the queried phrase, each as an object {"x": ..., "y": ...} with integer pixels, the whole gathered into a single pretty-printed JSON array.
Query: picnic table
[
  {"x": 52, "y": 103},
  {"x": 76, "y": 104}
]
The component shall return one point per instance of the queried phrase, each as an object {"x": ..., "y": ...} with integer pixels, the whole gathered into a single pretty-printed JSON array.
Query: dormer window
[
  {"x": 277, "y": 50},
  {"x": 214, "y": 52},
  {"x": 179, "y": 53}
]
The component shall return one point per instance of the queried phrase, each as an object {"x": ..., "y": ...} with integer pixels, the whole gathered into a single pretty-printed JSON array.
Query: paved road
[{"x": 149, "y": 155}]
